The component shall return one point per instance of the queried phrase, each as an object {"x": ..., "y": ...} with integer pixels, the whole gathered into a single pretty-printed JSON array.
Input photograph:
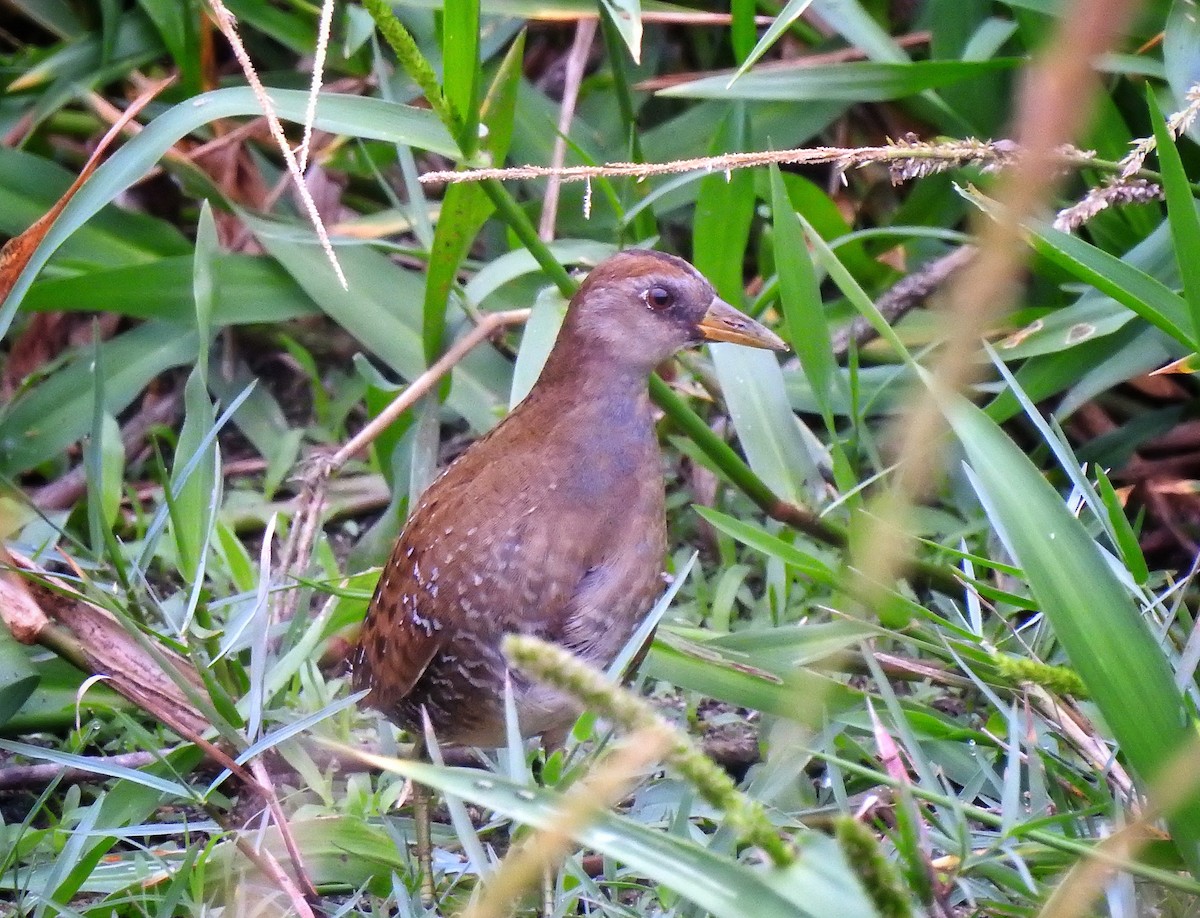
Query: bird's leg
[
  {"x": 547, "y": 891},
  {"x": 422, "y": 819}
]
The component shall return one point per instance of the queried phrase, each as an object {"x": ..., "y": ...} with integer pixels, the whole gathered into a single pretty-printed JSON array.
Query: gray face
[{"x": 640, "y": 307}]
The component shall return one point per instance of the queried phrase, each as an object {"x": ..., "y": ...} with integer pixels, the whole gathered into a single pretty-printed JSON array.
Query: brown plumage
[{"x": 552, "y": 524}]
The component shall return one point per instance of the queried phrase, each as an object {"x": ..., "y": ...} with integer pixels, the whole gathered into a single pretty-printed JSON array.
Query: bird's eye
[{"x": 658, "y": 298}]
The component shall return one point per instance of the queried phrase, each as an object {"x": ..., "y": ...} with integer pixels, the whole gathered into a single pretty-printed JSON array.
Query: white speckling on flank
[
  {"x": 449, "y": 530},
  {"x": 409, "y": 552},
  {"x": 477, "y": 580},
  {"x": 472, "y": 530}
]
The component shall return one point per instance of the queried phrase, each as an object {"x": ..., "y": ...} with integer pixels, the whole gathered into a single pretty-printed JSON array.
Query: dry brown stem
[
  {"x": 228, "y": 25},
  {"x": 908, "y": 293},
  {"x": 104, "y": 645},
  {"x": 906, "y": 159},
  {"x": 34, "y": 604},
  {"x": 585, "y": 33},
  {"x": 63, "y": 492},
  {"x": 298, "y": 548}
]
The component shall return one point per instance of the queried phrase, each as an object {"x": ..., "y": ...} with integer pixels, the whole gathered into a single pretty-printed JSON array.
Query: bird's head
[{"x": 639, "y": 307}]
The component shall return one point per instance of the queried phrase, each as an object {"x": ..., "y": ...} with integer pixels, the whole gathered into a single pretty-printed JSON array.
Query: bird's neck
[{"x": 596, "y": 391}]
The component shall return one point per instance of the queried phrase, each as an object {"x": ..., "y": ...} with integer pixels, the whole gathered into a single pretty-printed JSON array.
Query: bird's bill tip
[{"x": 724, "y": 323}]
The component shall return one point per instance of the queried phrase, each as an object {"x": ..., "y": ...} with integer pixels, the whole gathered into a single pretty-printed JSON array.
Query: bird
[{"x": 552, "y": 524}]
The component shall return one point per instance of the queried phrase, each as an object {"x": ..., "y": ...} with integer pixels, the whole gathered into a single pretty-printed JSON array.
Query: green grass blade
[
  {"x": 789, "y": 14},
  {"x": 1181, "y": 212},
  {"x": 853, "y": 82},
  {"x": 58, "y": 412},
  {"x": 338, "y": 114},
  {"x": 813, "y": 886},
  {"x": 1093, "y": 617},
  {"x": 460, "y": 79},
  {"x": 18, "y": 679},
  {"x": 800, "y": 297}
]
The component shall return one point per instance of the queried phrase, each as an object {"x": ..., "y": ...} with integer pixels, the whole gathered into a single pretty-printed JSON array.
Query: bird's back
[{"x": 551, "y": 525}]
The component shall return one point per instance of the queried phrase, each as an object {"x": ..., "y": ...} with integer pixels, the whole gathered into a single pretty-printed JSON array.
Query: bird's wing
[{"x": 399, "y": 638}]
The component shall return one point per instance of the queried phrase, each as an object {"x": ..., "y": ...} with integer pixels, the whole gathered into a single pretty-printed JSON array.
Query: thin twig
[
  {"x": 908, "y": 293},
  {"x": 64, "y": 491},
  {"x": 906, "y": 158},
  {"x": 314, "y": 89},
  {"x": 585, "y": 33},
  {"x": 1085, "y": 740},
  {"x": 228, "y": 26},
  {"x": 298, "y": 548},
  {"x": 17, "y": 777}
]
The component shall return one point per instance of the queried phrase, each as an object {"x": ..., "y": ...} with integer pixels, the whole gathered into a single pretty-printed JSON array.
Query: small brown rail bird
[{"x": 551, "y": 525}]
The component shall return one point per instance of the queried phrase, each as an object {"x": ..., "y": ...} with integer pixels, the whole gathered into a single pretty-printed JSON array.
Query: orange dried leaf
[{"x": 17, "y": 251}]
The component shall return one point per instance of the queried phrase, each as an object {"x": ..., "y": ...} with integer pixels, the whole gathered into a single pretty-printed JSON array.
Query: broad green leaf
[
  {"x": 338, "y": 114},
  {"x": 854, "y": 292},
  {"x": 731, "y": 676},
  {"x": 382, "y": 309},
  {"x": 81, "y": 60},
  {"x": 58, "y": 412},
  {"x": 751, "y": 380},
  {"x": 770, "y": 434},
  {"x": 1130, "y": 287},
  {"x": 98, "y": 765},
  {"x": 775, "y": 547},
  {"x": 248, "y": 290},
  {"x": 536, "y": 341},
  {"x": 191, "y": 518},
  {"x": 861, "y": 29},
  {"x": 465, "y": 207},
  {"x": 18, "y": 678},
  {"x": 1106, "y": 640},
  {"x": 112, "y": 470},
  {"x": 55, "y": 16},
  {"x": 342, "y": 852},
  {"x": 852, "y": 82},
  {"x": 626, "y": 15},
  {"x": 195, "y": 494},
  {"x": 724, "y": 211},
  {"x": 789, "y": 14},
  {"x": 29, "y": 187},
  {"x": 261, "y": 420},
  {"x": 773, "y": 125},
  {"x": 1127, "y": 541},
  {"x": 178, "y": 30},
  {"x": 790, "y": 646}
]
